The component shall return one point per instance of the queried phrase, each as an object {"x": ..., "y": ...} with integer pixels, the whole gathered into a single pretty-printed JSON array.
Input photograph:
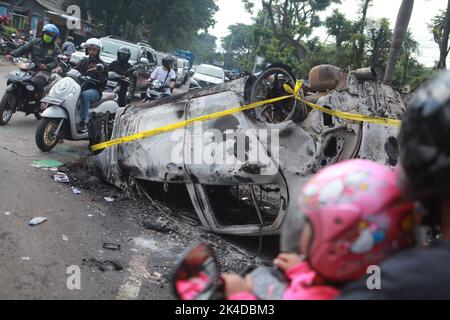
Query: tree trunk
[
  {"x": 444, "y": 45},
  {"x": 362, "y": 26},
  {"x": 401, "y": 27}
]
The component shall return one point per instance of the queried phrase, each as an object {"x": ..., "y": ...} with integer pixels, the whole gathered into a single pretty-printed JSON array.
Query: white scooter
[{"x": 63, "y": 113}]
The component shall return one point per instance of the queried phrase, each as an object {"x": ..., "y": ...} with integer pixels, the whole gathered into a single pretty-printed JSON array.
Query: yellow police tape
[{"x": 294, "y": 93}]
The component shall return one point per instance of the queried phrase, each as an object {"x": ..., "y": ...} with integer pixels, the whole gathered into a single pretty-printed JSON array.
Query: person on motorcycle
[
  {"x": 422, "y": 273},
  {"x": 88, "y": 67},
  {"x": 22, "y": 41},
  {"x": 69, "y": 47},
  {"x": 347, "y": 218},
  {"x": 165, "y": 74},
  {"x": 39, "y": 49},
  {"x": 122, "y": 67}
]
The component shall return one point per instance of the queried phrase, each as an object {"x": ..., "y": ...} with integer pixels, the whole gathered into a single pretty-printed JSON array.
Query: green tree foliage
[
  {"x": 440, "y": 27},
  {"x": 204, "y": 47},
  {"x": 163, "y": 24},
  {"x": 292, "y": 21}
]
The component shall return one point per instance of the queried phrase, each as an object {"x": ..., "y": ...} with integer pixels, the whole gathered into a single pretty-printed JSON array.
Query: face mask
[{"x": 47, "y": 39}]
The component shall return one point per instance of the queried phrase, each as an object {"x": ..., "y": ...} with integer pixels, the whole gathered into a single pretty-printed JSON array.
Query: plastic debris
[
  {"x": 108, "y": 199},
  {"x": 25, "y": 258},
  {"x": 37, "y": 221},
  {"x": 75, "y": 190},
  {"x": 65, "y": 238},
  {"x": 111, "y": 246},
  {"x": 61, "y": 177},
  {"x": 47, "y": 164},
  {"x": 7, "y": 213}
]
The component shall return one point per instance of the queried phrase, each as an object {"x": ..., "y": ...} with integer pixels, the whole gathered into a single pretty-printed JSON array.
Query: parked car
[
  {"x": 206, "y": 75},
  {"x": 140, "y": 56},
  {"x": 182, "y": 71}
]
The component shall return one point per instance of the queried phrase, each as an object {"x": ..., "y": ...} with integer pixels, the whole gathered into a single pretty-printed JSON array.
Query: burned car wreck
[{"x": 242, "y": 170}]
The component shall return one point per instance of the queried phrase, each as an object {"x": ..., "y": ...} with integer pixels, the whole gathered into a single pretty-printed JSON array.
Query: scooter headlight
[
  {"x": 62, "y": 86},
  {"x": 72, "y": 92}
]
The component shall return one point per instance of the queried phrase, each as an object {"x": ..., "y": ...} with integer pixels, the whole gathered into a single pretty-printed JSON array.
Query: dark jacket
[
  {"x": 119, "y": 68},
  {"x": 39, "y": 50},
  {"x": 83, "y": 67},
  {"x": 416, "y": 274}
]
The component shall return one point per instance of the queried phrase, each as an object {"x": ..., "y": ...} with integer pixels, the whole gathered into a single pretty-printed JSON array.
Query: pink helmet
[{"x": 357, "y": 217}]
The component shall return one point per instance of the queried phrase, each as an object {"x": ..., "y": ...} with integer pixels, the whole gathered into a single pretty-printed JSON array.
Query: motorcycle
[
  {"x": 155, "y": 91},
  {"x": 7, "y": 45},
  {"x": 20, "y": 93},
  {"x": 116, "y": 81},
  {"x": 197, "y": 277},
  {"x": 63, "y": 114}
]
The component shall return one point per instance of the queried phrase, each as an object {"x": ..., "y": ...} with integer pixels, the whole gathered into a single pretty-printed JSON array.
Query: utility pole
[
  {"x": 259, "y": 44},
  {"x": 229, "y": 55}
]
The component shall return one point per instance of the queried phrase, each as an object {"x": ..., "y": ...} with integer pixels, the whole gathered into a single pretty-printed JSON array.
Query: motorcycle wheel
[
  {"x": 100, "y": 129},
  {"x": 5, "y": 109},
  {"x": 44, "y": 132}
]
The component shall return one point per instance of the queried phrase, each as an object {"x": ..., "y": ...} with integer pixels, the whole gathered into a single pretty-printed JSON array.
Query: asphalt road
[
  {"x": 37, "y": 262},
  {"x": 65, "y": 258}
]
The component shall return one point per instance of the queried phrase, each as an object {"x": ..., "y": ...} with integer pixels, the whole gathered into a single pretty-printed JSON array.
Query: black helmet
[
  {"x": 168, "y": 62},
  {"x": 424, "y": 138},
  {"x": 123, "y": 54}
]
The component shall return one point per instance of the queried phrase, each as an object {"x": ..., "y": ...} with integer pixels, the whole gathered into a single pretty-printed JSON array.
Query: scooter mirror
[{"x": 197, "y": 275}]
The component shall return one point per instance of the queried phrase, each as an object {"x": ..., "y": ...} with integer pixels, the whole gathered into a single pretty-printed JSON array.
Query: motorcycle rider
[
  {"x": 165, "y": 74},
  {"x": 22, "y": 41},
  {"x": 69, "y": 47},
  {"x": 425, "y": 155},
  {"x": 92, "y": 92},
  {"x": 338, "y": 229},
  {"x": 121, "y": 66},
  {"x": 39, "y": 49}
]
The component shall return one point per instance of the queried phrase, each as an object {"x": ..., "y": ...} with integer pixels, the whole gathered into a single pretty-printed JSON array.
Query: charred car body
[{"x": 245, "y": 196}]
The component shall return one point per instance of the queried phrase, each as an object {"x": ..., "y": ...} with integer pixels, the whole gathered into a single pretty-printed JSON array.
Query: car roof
[
  {"x": 126, "y": 43},
  {"x": 210, "y": 66}
]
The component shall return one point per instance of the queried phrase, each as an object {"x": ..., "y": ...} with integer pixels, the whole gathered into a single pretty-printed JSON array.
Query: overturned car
[{"x": 242, "y": 170}]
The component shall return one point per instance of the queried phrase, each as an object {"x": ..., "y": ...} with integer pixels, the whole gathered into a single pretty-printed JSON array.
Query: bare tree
[
  {"x": 401, "y": 27},
  {"x": 441, "y": 31}
]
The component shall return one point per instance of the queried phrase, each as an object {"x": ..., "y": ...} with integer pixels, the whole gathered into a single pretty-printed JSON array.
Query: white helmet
[{"x": 94, "y": 42}]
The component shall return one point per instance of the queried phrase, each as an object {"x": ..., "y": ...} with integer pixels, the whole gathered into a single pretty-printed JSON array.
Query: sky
[{"x": 233, "y": 11}]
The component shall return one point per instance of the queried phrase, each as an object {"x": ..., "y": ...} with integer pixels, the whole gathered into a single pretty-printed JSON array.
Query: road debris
[
  {"x": 75, "y": 190},
  {"x": 49, "y": 164},
  {"x": 108, "y": 199},
  {"x": 156, "y": 226},
  {"x": 7, "y": 213},
  {"x": 65, "y": 238},
  {"x": 61, "y": 177},
  {"x": 111, "y": 246},
  {"x": 25, "y": 258},
  {"x": 103, "y": 265},
  {"x": 37, "y": 221}
]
